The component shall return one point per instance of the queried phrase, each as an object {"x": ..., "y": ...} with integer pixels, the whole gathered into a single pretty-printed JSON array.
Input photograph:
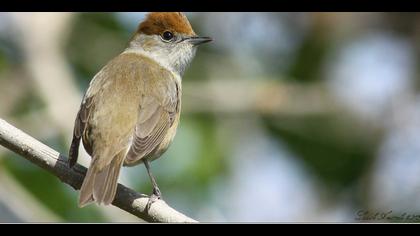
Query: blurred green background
[{"x": 286, "y": 117}]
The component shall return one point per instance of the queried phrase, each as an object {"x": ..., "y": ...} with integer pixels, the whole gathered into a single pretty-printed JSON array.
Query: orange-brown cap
[{"x": 159, "y": 22}]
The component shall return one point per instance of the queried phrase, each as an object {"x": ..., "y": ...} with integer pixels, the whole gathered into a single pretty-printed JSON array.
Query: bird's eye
[{"x": 167, "y": 36}]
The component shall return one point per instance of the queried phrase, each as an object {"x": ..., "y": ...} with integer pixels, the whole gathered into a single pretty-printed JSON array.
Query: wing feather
[{"x": 156, "y": 115}]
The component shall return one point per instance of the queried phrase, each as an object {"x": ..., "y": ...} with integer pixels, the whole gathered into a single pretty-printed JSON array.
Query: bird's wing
[
  {"x": 157, "y": 111},
  {"x": 80, "y": 125},
  {"x": 82, "y": 117}
]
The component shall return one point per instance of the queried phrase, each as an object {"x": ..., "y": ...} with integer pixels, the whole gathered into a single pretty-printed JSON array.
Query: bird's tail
[{"x": 100, "y": 186}]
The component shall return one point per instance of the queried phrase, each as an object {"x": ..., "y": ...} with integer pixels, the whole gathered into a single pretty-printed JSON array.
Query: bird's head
[{"x": 168, "y": 38}]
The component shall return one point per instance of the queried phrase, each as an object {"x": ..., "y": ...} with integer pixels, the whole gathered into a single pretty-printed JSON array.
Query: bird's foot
[{"x": 156, "y": 195}]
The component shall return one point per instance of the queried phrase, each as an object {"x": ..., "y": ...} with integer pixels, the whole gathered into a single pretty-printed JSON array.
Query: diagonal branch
[{"x": 56, "y": 163}]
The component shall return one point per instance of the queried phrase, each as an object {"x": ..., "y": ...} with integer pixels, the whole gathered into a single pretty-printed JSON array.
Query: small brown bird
[{"x": 130, "y": 112}]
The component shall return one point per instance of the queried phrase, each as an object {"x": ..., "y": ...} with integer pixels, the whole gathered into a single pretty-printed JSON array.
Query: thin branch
[{"x": 56, "y": 163}]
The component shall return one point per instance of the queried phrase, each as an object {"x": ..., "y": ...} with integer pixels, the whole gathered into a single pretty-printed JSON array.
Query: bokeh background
[{"x": 307, "y": 117}]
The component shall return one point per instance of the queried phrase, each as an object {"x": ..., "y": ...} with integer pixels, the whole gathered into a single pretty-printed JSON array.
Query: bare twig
[{"x": 56, "y": 163}]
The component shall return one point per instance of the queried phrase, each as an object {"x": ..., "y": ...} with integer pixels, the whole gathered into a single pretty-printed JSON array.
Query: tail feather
[
  {"x": 112, "y": 187},
  {"x": 86, "y": 191},
  {"x": 101, "y": 185},
  {"x": 74, "y": 151}
]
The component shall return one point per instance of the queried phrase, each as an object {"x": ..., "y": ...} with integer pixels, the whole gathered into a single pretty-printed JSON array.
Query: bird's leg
[{"x": 156, "y": 192}]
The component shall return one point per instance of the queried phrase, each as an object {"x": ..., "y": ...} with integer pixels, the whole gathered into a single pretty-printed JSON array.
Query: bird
[{"x": 130, "y": 112}]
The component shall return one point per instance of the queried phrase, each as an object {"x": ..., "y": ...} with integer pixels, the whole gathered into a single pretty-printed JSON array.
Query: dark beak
[{"x": 198, "y": 40}]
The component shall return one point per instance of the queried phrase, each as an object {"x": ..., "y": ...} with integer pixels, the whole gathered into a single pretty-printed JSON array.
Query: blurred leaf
[
  {"x": 31, "y": 101},
  {"x": 309, "y": 58},
  {"x": 3, "y": 61},
  {"x": 10, "y": 53},
  {"x": 332, "y": 150},
  {"x": 95, "y": 39}
]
